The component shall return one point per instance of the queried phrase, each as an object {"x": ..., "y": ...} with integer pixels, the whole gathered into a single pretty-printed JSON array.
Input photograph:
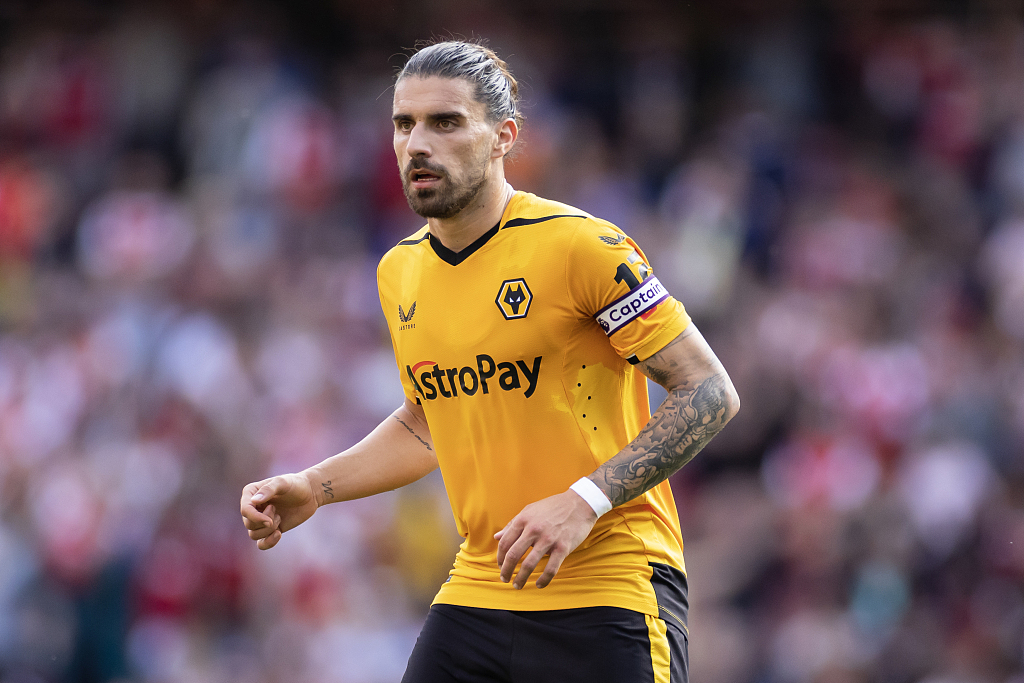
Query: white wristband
[{"x": 594, "y": 496}]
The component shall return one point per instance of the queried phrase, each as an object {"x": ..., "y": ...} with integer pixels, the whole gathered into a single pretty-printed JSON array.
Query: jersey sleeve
[{"x": 611, "y": 281}]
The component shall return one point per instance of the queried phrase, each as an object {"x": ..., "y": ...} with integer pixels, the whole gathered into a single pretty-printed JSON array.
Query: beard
[{"x": 449, "y": 197}]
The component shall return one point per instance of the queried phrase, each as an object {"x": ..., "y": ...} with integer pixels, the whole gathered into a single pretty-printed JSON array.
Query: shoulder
[
  {"x": 409, "y": 248},
  {"x": 529, "y": 204},
  {"x": 528, "y": 209},
  {"x": 557, "y": 225},
  {"x": 414, "y": 238}
]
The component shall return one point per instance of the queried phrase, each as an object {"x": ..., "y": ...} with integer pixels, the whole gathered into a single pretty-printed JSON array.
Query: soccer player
[{"x": 523, "y": 329}]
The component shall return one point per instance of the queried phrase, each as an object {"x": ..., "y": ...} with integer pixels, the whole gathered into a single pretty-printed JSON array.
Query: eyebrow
[{"x": 431, "y": 117}]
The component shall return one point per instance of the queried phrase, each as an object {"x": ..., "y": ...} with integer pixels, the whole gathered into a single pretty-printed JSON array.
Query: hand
[
  {"x": 273, "y": 506},
  {"x": 553, "y": 526}
]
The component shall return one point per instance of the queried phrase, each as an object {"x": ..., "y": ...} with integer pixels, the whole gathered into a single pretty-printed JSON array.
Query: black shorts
[{"x": 593, "y": 644}]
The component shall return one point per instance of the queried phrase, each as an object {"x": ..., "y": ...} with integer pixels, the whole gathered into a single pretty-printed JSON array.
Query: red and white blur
[{"x": 194, "y": 196}]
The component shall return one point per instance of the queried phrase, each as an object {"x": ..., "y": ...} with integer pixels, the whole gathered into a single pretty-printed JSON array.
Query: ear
[{"x": 507, "y": 134}]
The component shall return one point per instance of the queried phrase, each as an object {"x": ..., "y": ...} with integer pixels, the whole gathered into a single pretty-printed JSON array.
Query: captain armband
[{"x": 628, "y": 308}]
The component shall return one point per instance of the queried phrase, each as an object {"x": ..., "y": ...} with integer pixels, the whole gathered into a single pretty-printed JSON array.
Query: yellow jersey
[{"x": 520, "y": 349}]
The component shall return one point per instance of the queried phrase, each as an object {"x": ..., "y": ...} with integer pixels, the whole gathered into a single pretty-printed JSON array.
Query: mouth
[{"x": 422, "y": 179}]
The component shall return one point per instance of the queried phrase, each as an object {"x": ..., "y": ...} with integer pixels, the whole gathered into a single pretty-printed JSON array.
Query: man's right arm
[{"x": 398, "y": 452}]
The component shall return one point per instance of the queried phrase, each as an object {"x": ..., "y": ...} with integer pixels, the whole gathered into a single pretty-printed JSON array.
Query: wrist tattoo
[
  {"x": 402, "y": 422},
  {"x": 680, "y": 428},
  {"x": 328, "y": 491}
]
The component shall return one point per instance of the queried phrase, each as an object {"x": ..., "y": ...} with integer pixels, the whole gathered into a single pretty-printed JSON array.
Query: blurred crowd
[{"x": 193, "y": 200}]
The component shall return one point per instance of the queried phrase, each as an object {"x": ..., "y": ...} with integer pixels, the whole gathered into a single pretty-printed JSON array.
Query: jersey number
[{"x": 624, "y": 274}]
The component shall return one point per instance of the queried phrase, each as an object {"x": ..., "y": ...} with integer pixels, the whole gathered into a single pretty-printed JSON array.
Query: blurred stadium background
[{"x": 193, "y": 199}]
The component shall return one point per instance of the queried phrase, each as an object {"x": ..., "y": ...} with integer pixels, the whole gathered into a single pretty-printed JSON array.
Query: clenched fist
[{"x": 273, "y": 506}]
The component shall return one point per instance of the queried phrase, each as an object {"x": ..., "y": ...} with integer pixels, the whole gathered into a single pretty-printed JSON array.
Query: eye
[
  {"x": 404, "y": 126},
  {"x": 446, "y": 124}
]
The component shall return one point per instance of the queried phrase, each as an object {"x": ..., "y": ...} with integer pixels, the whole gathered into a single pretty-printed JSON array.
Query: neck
[{"x": 482, "y": 214}]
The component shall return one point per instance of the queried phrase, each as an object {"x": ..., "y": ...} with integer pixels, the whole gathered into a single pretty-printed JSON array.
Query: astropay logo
[{"x": 432, "y": 381}]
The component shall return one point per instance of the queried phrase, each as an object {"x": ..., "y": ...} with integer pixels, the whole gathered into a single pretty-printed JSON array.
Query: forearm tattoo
[
  {"x": 328, "y": 491},
  {"x": 680, "y": 428},
  {"x": 400, "y": 420}
]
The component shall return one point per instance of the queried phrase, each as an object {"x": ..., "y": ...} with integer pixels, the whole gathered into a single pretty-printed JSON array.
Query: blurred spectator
[{"x": 193, "y": 199}]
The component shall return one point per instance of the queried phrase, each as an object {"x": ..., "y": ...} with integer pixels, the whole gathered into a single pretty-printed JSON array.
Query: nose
[{"x": 418, "y": 143}]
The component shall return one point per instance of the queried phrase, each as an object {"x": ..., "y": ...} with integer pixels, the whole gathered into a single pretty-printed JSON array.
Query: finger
[
  {"x": 253, "y": 518},
  {"x": 514, "y": 554},
  {"x": 270, "y": 541},
  {"x": 270, "y": 488},
  {"x": 260, "y": 534},
  {"x": 270, "y": 520},
  {"x": 249, "y": 490},
  {"x": 529, "y": 564},
  {"x": 555, "y": 559},
  {"x": 253, "y": 524},
  {"x": 508, "y": 536},
  {"x": 502, "y": 532}
]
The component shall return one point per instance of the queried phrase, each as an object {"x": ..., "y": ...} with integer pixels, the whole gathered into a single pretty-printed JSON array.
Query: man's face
[{"x": 443, "y": 142}]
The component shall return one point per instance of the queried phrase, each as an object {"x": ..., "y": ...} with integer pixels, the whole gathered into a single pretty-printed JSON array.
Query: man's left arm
[{"x": 701, "y": 400}]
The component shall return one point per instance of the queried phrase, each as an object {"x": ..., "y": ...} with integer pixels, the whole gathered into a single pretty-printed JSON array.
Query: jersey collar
[{"x": 454, "y": 258}]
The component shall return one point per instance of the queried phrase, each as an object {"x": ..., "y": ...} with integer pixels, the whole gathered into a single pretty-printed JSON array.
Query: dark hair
[{"x": 496, "y": 87}]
